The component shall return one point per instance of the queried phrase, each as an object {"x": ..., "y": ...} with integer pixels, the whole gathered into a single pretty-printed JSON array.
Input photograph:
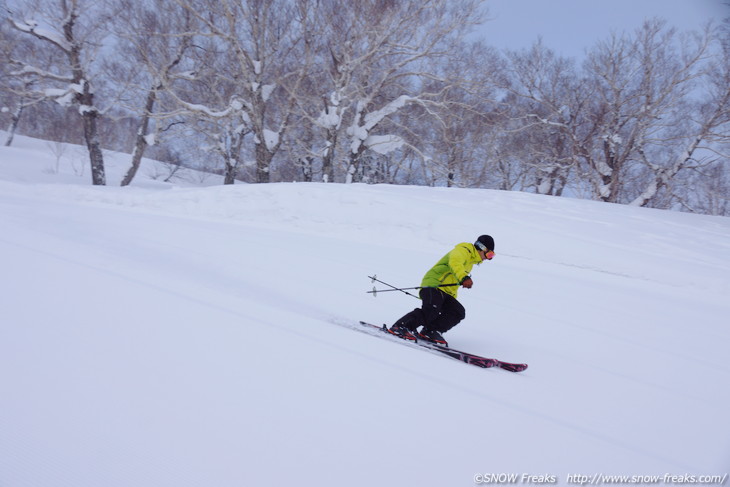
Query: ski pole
[
  {"x": 405, "y": 290},
  {"x": 375, "y": 291}
]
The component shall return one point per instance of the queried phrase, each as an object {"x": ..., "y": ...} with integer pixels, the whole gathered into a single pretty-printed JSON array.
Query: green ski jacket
[{"x": 453, "y": 268}]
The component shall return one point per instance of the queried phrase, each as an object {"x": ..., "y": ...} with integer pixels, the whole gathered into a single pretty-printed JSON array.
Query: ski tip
[{"x": 513, "y": 367}]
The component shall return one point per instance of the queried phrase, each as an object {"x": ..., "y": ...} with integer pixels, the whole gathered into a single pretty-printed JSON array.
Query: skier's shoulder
[
  {"x": 466, "y": 251},
  {"x": 465, "y": 247}
]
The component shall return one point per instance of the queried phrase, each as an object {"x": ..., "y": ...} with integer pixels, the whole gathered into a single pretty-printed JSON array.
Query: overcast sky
[{"x": 571, "y": 26}]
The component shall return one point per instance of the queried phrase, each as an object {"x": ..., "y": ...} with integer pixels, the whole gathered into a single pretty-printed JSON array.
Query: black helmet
[{"x": 484, "y": 242}]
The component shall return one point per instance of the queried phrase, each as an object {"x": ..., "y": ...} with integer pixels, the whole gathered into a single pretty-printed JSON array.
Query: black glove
[{"x": 467, "y": 282}]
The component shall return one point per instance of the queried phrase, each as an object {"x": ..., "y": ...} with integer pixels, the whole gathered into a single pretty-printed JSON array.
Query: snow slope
[{"x": 181, "y": 335}]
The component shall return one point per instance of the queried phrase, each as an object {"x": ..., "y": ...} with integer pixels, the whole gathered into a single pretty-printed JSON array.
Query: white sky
[{"x": 571, "y": 26}]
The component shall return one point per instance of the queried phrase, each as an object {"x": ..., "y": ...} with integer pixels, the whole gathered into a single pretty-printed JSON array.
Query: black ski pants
[{"x": 439, "y": 311}]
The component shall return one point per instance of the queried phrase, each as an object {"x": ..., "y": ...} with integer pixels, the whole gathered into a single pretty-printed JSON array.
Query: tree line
[{"x": 376, "y": 91}]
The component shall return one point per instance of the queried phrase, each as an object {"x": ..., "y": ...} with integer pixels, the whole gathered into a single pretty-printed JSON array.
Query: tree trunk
[
  {"x": 141, "y": 143},
  {"x": 263, "y": 163},
  {"x": 85, "y": 100},
  {"x": 91, "y": 134},
  {"x": 231, "y": 171},
  {"x": 139, "y": 148},
  {"x": 15, "y": 120},
  {"x": 353, "y": 168},
  {"x": 328, "y": 160}
]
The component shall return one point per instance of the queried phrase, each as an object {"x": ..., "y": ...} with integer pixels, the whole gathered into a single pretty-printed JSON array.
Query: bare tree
[
  {"x": 267, "y": 41},
  {"x": 458, "y": 128},
  {"x": 639, "y": 85},
  {"x": 75, "y": 30},
  {"x": 377, "y": 53},
  {"x": 16, "y": 86},
  {"x": 211, "y": 81},
  {"x": 695, "y": 140},
  {"x": 547, "y": 119},
  {"x": 154, "y": 37},
  {"x": 22, "y": 86}
]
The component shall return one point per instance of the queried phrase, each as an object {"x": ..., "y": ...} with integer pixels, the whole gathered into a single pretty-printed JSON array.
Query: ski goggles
[{"x": 489, "y": 254}]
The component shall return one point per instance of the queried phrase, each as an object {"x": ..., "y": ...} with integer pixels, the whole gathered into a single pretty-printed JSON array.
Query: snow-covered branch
[
  {"x": 31, "y": 27},
  {"x": 28, "y": 70}
]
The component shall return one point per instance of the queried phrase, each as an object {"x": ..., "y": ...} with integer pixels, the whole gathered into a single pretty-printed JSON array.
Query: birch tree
[
  {"x": 153, "y": 40},
  {"x": 458, "y": 129},
  {"x": 268, "y": 44},
  {"x": 640, "y": 86},
  {"x": 548, "y": 119},
  {"x": 74, "y": 30},
  {"x": 17, "y": 85},
  {"x": 224, "y": 132},
  {"x": 377, "y": 53},
  {"x": 695, "y": 139}
]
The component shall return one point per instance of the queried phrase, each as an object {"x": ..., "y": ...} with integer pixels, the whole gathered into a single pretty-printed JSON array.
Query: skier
[{"x": 440, "y": 311}]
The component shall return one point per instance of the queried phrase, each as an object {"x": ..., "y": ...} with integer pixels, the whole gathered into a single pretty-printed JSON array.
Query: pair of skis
[{"x": 465, "y": 357}]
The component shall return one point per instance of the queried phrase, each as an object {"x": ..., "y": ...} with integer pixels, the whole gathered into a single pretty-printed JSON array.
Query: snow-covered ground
[{"x": 191, "y": 334}]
